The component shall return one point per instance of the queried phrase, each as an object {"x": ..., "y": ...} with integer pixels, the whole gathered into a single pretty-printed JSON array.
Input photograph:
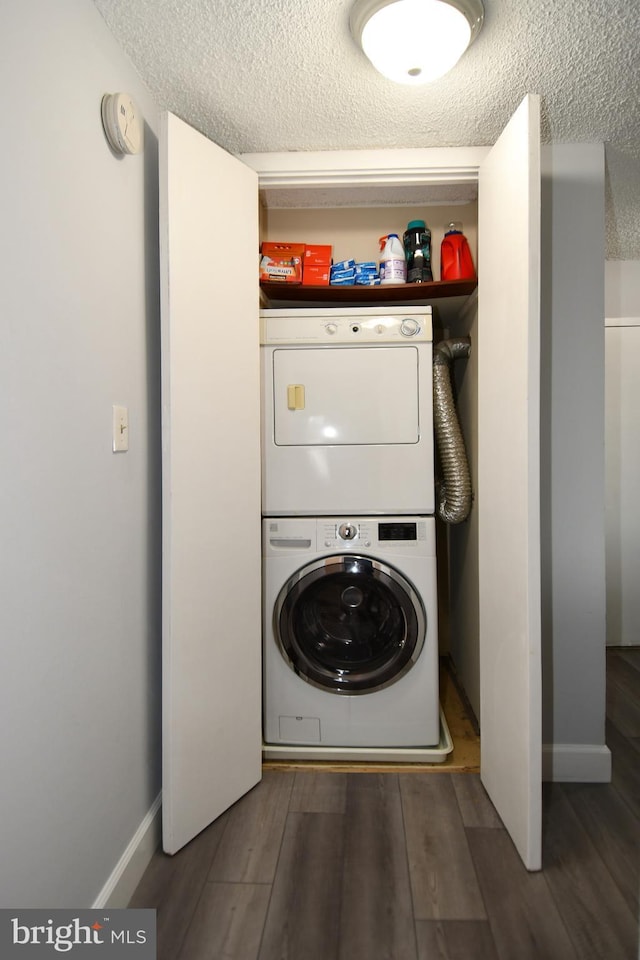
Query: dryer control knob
[
  {"x": 409, "y": 327},
  {"x": 331, "y": 328},
  {"x": 347, "y": 531}
]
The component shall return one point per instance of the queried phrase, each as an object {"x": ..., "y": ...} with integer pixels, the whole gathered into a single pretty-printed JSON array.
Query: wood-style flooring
[{"x": 399, "y": 865}]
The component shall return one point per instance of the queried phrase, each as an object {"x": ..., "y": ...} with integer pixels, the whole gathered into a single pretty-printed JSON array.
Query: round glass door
[{"x": 349, "y": 624}]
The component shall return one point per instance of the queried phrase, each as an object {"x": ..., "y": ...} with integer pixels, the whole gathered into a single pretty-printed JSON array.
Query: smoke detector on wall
[
  {"x": 415, "y": 41},
  {"x": 122, "y": 123}
]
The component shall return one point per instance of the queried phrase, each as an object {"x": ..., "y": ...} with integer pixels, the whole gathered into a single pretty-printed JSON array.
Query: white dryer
[
  {"x": 347, "y": 411},
  {"x": 350, "y": 631}
]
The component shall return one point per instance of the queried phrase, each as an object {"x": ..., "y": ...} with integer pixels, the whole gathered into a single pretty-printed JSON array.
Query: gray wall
[
  {"x": 572, "y": 455},
  {"x": 572, "y": 459},
  {"x": 80, "y": 526}
]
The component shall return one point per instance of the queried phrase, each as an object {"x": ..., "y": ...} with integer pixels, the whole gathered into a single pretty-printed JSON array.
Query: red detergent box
[
  {"x": 315, "y": 275},
  {"x": 281, "y": 262},
  {"x": 317, "y": 255}
]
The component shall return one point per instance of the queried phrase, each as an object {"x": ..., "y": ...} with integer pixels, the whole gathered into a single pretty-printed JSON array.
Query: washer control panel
[
  {"x": 377, "y": 536},
  {"x": 364, "y": 533}
]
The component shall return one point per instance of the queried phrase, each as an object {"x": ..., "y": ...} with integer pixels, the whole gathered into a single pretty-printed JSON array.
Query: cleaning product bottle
[
  {"x": 417, "y": 250},
  {"x": 393, "y": 266},
  {"x": 456, "y": 262}
]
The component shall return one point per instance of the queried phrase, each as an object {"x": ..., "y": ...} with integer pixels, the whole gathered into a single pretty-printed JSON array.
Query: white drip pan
[{"x": 436, "y": 754}]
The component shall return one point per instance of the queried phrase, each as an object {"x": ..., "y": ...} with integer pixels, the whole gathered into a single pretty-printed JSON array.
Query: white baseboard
[
  {"x": 128, "y": 871},
  {"x": 579, "y": 762}
]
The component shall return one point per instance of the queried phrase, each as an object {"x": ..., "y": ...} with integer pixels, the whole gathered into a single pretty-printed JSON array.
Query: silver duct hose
[{"x": 454, "y": 493}]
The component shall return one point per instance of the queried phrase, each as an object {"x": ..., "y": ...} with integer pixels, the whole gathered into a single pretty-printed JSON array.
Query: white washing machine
[
  {"x": 347, "y": 411},
  {"x": 350, "y": 631}
]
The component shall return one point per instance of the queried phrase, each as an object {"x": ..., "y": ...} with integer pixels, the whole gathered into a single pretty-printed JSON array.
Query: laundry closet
[
  {"x": 349, "y": 643},
  {"x": 353, "y": 232},
  {"x": 211, "y": 437}
]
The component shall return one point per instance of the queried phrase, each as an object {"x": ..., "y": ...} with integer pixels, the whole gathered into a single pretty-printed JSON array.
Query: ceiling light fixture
[{"x": 415, "y": 41}]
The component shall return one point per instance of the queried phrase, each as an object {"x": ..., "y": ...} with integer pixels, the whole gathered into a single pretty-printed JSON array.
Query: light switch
[{"x": 120, "y": 429}]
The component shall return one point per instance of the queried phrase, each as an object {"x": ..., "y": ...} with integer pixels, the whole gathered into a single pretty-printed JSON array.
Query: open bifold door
[
  {"x": 508, "y": 496},
  {"x": 212, "y": 744}
]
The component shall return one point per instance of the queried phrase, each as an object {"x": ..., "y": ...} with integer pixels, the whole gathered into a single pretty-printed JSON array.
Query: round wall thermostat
[{"x": 122, "y": 123}]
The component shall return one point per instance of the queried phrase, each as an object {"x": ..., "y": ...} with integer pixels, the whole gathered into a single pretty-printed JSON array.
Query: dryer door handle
[{"x": 295, "y": 396}]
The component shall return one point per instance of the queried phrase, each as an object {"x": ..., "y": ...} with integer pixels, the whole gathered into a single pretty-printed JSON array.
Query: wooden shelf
[{"x": 274, "y": 294}]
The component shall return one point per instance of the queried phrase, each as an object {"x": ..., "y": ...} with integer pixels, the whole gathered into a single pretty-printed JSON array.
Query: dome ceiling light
[{"x": 415, "y": 41}]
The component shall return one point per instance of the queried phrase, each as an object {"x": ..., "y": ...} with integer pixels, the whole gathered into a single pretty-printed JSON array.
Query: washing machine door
[{"x": 349, "y": 624}]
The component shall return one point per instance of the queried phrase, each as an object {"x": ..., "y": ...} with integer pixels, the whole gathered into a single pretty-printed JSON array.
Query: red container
[
  {"x": 456, "y": 262},
  {"x": 317, "y": 255}
]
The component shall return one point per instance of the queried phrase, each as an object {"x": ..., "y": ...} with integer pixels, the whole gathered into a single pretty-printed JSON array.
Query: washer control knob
[
  {"x": 409, "y": 327},
  {"x": 380, "y": 328},
  {"x": 331, "y": 328},
  {"x": 347, "y": 531}
]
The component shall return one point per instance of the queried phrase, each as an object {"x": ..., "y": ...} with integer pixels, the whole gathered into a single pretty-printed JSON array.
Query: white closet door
[
  {"x": 211, "y": 481},
  {"x": 508, "y": 496}
]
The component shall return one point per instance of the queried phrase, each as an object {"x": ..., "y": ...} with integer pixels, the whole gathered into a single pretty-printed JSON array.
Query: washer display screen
[{"x": 397, "y": 531}]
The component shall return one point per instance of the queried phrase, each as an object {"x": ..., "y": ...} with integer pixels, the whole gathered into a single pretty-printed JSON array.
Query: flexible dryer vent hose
[{"x": 454, "y": 494}]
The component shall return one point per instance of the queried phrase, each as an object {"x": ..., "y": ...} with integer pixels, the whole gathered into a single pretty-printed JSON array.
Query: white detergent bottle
[{"x": 393, "y": 266}]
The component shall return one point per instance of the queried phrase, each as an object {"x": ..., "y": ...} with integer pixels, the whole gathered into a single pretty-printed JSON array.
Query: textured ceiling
[{"x": 274, "y": 75}]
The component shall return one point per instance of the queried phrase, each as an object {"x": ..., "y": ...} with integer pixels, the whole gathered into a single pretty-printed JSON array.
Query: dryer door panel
[{"x": 350, "y": 396}]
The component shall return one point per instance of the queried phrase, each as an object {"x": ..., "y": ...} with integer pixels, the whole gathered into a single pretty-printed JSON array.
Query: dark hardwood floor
[{"x": 314, "y": 865}]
